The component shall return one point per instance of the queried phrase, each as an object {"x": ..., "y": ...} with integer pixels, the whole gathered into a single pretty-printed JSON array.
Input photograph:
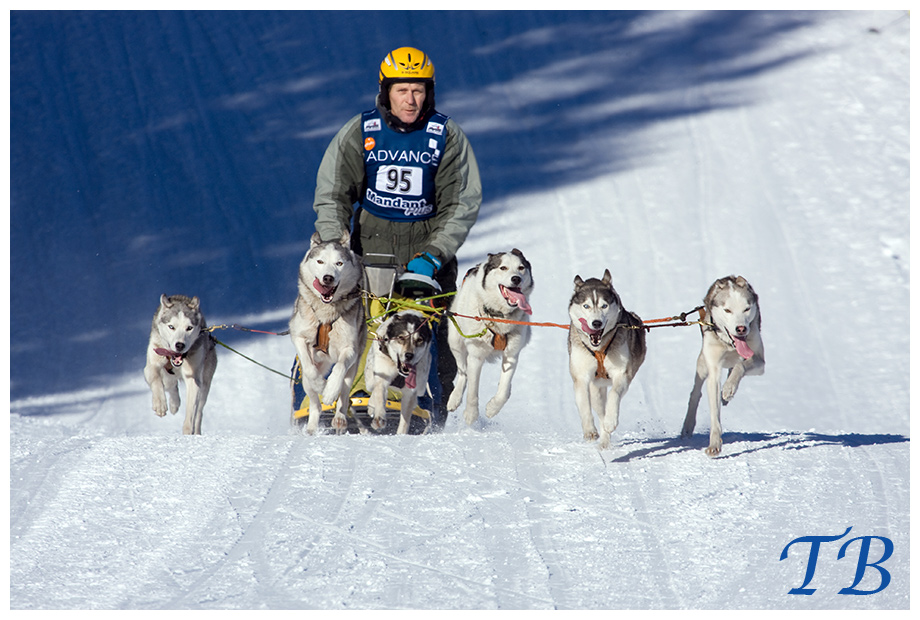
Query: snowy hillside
[{"x": 176, "y": 152}]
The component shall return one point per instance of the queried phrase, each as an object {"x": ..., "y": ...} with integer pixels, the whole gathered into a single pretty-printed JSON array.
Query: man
[{"x": 415, "y": 178}]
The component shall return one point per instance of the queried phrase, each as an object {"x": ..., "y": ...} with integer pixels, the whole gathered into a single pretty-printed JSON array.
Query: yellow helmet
[{"x": 407, "y": 64}]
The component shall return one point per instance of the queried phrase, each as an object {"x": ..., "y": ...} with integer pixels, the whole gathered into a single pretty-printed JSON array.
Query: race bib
[{"x": 402, "y": 180}]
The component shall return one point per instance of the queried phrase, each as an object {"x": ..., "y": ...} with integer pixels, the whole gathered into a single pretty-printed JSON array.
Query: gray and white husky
[
  {"x": 497, "y": 288},
  {"x": 180, "y": 345},
  {"x": 402, "y": 348},
  {"x": 731, "y": 339},
  {"x": 327, "y": 326},
  {"x": 606, "y": 349}
]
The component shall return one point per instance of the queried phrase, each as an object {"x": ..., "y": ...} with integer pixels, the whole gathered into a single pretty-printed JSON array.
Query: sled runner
[{"x": 382, "y": 282}]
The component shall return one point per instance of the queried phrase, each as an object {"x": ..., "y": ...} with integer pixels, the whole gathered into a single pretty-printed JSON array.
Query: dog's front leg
[
  {"x": 200, "y": 383},
  {"x": 753, "y": 367},
  {"x": 192, "y": 404},
  {"x": 611, "y": 411},
  {"x": 460, "y": 356},
  {"x": 152, "y": 373},
  {"x": 730, "y": 387},
  {"x": 495, "y": 404},
  {"x": 696, "y": 394},
  {"x": 376, "y": 405},
  {"x": 473, "y": 373},
  {"x": 349, "y": 362},
  {"x": 583, "y": 403},
  {"x": 407, "y": 405},
  {"x": 715, "y": 412},
  {"x": 309, "y": 378}
]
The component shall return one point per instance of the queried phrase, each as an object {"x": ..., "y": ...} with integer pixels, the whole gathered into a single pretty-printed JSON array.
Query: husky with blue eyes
[{"x": 180, "y": 345}]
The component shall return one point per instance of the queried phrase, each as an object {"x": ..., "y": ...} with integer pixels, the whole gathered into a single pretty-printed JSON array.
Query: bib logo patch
[
  {"x": 435, "y": 128},
  {"x": 369, "y": 143},
  {"x": 372, "y": 125}
]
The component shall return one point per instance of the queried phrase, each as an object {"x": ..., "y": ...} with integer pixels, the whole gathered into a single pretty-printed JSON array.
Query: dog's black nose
[
  {"x": 328, "y": 280},
  {"x": 516, "y": 280},
  {"x": 596, "y": 324},
  {"x": 741, "y": 330},
  {"x": 179, "y": 347},
  {"x": 408, "y": 356}
]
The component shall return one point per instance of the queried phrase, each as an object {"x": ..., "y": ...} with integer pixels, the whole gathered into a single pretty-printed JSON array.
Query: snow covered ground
[{"x": 175, "y": 152}]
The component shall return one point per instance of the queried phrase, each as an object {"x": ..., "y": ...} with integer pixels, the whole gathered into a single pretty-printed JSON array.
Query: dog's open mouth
[
  {"x": 407, "y": 371},
  {"x": 742, "y": 348},
  {"x": 175, "y": 358},
  {"x": 325, "y": 292},
  {"x": 594, "y": 335},
  {"x": 516, "y": 298}
]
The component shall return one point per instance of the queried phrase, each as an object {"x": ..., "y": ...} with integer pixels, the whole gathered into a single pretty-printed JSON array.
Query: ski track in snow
[{"x": 793, "y": 173}]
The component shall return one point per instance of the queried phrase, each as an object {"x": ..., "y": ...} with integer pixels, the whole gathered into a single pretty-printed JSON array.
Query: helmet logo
[{"x": 409, "y": 65}]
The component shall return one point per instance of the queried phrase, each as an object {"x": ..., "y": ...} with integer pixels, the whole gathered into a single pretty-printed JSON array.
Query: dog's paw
[
  {"x": 330, "y": 394},
  {"x": 714, "y": 448},
  {"x": 603, "y": 443},
  {"x": 454, "y": 401},
  {"x": 728, "y": 391},
  {"x": 470, "y": 416},
  {"x": 591, "y": 435},
  {"x": 339, "y": 422},
  {"x": 379, "y": 422},
  {"x": 159, "y": 407},
  {"x": 493, "y": 407}
]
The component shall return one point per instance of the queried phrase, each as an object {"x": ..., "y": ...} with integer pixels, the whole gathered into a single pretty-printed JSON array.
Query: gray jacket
[{"x": 340, "y": 184}]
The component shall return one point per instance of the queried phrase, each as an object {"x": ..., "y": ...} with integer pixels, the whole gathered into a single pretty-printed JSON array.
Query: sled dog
[
  {"x": 497, "y": 288},
  {"x": 731, "y": 339},
  {"x": 606, "y": 348},
  {"x": 402, "y": 348},
  {"x": 180, "y": 345},
  {"x": 327, "y": 326}
]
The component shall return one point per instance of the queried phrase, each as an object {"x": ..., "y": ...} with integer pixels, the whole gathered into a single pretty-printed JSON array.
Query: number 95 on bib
[{"x": 404, "y": 180}]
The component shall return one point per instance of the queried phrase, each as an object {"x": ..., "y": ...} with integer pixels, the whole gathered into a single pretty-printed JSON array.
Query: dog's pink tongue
[
  {"x": 410, "y": 378},
  {"x": 319, "y": 287},
  {"x": 741, "y": 346},
  {"x": 587, "y": 330},
  {"x": 519, "y": 300}
]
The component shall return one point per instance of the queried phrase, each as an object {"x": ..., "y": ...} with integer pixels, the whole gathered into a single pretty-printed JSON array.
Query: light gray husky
[
  {"x": 327, "y": 326},
  {"x": 498, "y": 288},
  {"x": 180, "y": 345},
  {"x": 606, "y": 349},
  {"x": 731, "y": 339},
  {"x": 402, "y": 349}
]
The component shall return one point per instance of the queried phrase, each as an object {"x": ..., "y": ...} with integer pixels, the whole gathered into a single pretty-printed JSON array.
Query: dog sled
[{"x": 390, "y": 290}]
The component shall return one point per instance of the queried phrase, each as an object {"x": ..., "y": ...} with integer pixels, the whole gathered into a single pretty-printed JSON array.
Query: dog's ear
[
  {"x": 607, "y": 279},
  {"x": 345, "y": 239},
  {"x": 315, "y": 239},
  {"x": 194, "y": 303},
  {"x": 164, "y": 301},
  {"x": 741, "y": 282},
  {"x": 578, "y": 281}
]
